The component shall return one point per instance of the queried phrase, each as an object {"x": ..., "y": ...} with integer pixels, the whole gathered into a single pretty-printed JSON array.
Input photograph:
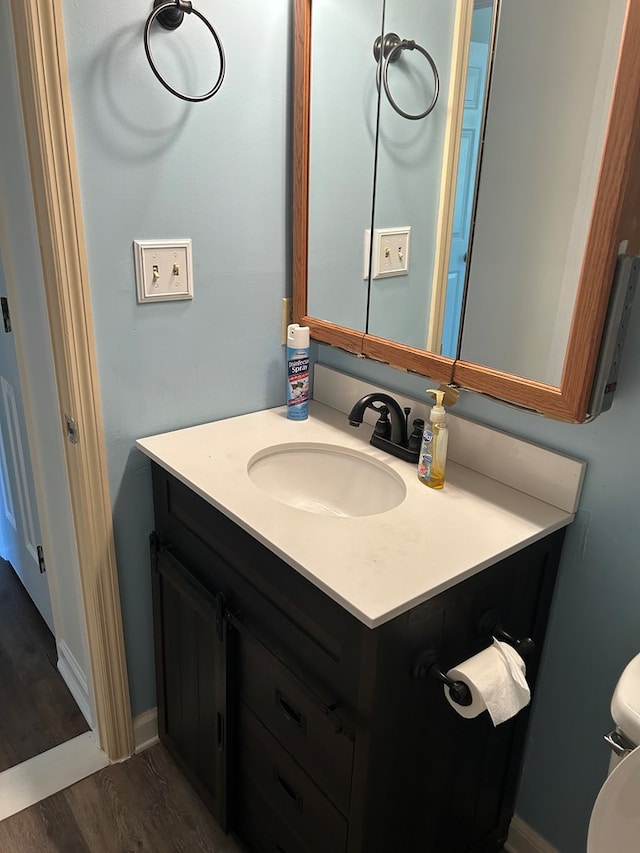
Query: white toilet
[{"x": 615, "y": 820}]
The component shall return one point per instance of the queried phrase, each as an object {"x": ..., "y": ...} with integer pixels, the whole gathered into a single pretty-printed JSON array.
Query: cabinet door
[{"x": 191, "y": 673}]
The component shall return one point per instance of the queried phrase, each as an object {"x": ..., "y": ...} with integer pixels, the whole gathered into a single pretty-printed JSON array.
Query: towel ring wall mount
[
  {"x": 386, "y": 51},
  {"x": 170, "y": 14}
]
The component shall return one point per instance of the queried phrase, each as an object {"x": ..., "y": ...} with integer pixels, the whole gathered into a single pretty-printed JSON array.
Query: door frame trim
[{"x": 46, "y": 102}]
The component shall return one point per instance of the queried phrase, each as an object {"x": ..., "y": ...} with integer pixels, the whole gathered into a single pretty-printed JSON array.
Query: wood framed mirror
[{"x": 612, "y": 226}]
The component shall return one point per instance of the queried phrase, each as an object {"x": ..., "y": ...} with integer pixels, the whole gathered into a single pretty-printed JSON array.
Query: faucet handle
[
  {"x": 382, "y": 427},
  {"x": 415, "y": 439}
]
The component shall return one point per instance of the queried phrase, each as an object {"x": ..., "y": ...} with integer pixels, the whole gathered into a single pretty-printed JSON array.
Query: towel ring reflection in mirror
[
  {"x": 391, "y": 47},
  {"x": 169, "y": 14}
]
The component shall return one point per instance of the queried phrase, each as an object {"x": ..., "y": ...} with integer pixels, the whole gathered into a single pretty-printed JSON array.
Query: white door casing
[{"x": 42, "y": 73}]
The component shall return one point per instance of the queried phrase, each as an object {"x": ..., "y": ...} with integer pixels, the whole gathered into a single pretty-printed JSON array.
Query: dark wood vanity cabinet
[
  {"x": 308, "y": 732},
  {"x": 191, "y": 677}
]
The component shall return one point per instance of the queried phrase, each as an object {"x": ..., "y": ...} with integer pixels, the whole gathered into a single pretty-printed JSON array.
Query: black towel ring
[
  {"x": 170, "y": 14},
  {"x": 387, "y": 51}
]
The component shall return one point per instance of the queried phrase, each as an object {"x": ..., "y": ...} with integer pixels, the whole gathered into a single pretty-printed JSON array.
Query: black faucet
[{"x": 390, "y": 435}]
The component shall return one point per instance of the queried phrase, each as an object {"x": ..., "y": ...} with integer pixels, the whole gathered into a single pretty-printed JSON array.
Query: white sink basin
[{"x": 326, "y": 479}]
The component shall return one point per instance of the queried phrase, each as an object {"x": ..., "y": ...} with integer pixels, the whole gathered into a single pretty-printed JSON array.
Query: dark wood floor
[
  {"x": 143, "y": 804},
  {"x": 37, "y": 710}
]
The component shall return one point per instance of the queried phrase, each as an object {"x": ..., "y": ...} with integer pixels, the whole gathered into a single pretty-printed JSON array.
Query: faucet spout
[{"x": 398, "y": 417}]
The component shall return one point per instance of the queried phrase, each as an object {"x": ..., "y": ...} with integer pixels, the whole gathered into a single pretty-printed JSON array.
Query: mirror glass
[
  {"x": 342, "y": 145},
  {"x": 410, "y": 162},
  {"x": 495, "y": 253},
  {"x": 373, "y": 170},
  {"x": 547, "y": 117}
]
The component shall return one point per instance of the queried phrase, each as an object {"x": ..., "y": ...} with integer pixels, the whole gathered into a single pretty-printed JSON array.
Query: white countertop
[{"x": 375, "y": 566}]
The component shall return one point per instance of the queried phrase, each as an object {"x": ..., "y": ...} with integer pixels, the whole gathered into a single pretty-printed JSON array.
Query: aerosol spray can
[{"x": 297, "y": 372}]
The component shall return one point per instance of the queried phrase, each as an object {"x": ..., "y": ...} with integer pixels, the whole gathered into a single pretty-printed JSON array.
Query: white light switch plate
[
  {"x": 164, "y": 270},
  {"x": 391, "y": 252}
]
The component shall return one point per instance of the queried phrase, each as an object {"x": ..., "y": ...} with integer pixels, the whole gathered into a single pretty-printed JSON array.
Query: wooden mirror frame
[{"x": 615, "y": 220}]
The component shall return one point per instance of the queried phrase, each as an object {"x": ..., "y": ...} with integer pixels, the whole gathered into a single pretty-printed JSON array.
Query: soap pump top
[{"x": 438, "y": 414}]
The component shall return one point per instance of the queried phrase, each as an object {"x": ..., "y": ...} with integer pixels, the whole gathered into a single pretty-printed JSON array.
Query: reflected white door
[
  {"x": 465, "y": 191},
  {"x": 19, "y": 524}
]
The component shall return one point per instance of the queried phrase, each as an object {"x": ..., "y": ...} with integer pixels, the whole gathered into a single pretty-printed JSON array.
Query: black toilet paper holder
[
  {"x": 489, "y": 626},
  {"x": 426, "y": 663}
]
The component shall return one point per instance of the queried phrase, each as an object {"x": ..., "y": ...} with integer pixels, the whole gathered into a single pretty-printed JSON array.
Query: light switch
[
  {"x": 391, "y": 252},
  {"x": 164, "y": 270}
]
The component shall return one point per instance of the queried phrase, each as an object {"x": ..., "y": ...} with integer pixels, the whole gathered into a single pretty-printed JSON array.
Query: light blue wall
[
  {"x": 594, "y": 628},
  {"x": 151, "y": 166}
]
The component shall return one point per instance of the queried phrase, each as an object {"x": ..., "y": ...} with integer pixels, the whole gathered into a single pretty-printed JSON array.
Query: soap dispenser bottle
[{"x": 433, "y": 450}]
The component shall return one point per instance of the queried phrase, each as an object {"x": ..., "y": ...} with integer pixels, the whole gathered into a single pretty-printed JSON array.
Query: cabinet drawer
[
  {"x": 289, "y": 794},
  {"x": 297, "y": 719},
  {"x": 263, "y": 829}
]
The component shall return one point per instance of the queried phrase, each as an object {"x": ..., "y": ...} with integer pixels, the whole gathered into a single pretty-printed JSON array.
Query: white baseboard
[
  {"x": 145, "y": 730},
  {"x": 52, "y": 771},
  {"x": 76, "y": 681},
  {"x": 523, "y": 839}
]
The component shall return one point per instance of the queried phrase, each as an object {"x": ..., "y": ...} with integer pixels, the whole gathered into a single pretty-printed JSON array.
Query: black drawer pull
[
  {"x": 289, "y": 712},
  {"x": 328, "y": 708},
  {"x": 292, "y": 795}
]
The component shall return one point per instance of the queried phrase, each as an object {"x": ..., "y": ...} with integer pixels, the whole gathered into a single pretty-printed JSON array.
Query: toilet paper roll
[{"x": 496, "y": 679}]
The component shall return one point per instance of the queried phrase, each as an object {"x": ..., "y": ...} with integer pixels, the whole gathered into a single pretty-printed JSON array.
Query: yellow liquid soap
[{"x": 436, "y": 480}]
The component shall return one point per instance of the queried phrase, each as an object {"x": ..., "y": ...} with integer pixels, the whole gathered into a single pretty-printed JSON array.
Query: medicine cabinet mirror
[{"x": 519, "y": 186}]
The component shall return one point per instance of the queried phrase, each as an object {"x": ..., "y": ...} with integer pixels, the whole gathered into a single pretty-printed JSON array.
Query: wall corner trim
[
  {"x": 523, "y": 839},
  {"x": 76, "y": 680},
  {"x": 145, "y": 729}
]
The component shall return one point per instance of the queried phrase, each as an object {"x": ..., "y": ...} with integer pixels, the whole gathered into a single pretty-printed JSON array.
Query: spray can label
[{"x": 297, "y": 383}]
